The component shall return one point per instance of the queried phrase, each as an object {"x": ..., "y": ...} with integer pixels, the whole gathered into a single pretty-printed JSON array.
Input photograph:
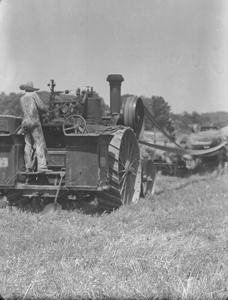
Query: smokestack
[{"x": 115, "y": 92}]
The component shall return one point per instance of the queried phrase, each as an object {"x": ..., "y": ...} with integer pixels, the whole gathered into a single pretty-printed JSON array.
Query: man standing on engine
[{"x": 32, "y": 106}]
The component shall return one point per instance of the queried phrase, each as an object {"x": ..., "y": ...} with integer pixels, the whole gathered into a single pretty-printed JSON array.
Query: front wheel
[{"x": 148, "y": 178}]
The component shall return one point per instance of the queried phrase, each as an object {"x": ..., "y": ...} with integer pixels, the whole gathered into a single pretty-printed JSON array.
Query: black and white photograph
[{"x": 114, "y": 149}]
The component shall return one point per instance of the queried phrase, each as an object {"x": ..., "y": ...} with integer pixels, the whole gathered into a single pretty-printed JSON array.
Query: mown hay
[{"x": 210, "y": 138}]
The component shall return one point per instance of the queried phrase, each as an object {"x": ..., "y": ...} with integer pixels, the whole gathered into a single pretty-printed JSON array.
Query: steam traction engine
[{"x": 88, "y": 153}]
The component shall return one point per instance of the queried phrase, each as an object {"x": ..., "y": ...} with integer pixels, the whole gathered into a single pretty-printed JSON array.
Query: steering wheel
[{"x": 74, "y": 124}]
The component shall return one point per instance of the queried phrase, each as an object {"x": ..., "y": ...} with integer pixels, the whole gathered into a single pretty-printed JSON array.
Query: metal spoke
[
  {"x": 133, "y": 161},
  {"x": 130, "y": 153},
  {"x": 122, "y": 164},
  {"x": 123, "y": 177},
  {"x": 122, "y": 156},
  {"x": 127, "y": 146},
  {"x": 77, "y": 126},
  {"x": 123, "y": 185},
  {"x": 122, "y": 171},
  {"x": 132, "y": 183},
  {"x": 73, "y": 120},
  {"x": 126, "y": 193},
  {"x": 69, "y": 128},
  {"x": 130, "y": 191}
]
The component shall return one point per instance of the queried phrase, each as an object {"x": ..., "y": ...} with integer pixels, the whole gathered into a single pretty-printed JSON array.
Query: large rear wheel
[{"x": 124, "y": 171}]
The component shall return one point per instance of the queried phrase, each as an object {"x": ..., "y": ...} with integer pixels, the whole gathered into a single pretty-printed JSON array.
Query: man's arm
[{"x": 40, "y": 105}]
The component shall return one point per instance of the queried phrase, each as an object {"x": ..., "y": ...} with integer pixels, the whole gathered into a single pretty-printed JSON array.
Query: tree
[
  {"x": 196, "y": 118},
  {"x": 186, "y": 121},
  {"x": 44, "y": 96},
  {"x": 160, "y": 110},
  {"x": 10, "y": 104}
]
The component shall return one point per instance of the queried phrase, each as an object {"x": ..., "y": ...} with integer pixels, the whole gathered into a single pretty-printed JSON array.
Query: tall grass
[{"x": 171, "y": 246}]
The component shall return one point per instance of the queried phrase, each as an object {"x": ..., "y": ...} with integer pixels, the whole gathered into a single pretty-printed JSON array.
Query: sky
[{"x": 170, "y": 48}]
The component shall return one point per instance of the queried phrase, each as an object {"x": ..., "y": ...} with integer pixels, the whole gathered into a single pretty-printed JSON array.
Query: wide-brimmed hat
[{"x": 28, "y": 87}]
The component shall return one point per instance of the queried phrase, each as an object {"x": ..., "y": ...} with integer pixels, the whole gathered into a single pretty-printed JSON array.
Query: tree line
[{"x": 160, "y": 109}]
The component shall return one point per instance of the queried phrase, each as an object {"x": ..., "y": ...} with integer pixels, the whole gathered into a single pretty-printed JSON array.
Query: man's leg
[
  {"x": 40, "y": 146},
  {"x": 29, "y": 152}
]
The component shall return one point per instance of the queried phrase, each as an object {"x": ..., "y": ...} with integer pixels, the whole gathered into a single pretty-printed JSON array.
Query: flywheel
[
  {"x": 133, "y": 114},
  {"x": 124, "y": 171}
]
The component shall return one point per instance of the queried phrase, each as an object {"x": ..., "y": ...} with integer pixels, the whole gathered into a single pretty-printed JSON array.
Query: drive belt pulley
[{"x": 133, "y": 114}]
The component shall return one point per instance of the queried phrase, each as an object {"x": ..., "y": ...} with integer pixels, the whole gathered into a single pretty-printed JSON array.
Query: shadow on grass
[{"x": 87, "y": 205}]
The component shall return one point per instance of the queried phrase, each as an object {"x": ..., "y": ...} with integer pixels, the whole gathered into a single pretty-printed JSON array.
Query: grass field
[{"x": 171, "y": 246}]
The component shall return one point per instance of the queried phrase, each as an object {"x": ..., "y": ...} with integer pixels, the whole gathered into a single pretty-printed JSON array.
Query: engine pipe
[{"x": 115, "y": 92}]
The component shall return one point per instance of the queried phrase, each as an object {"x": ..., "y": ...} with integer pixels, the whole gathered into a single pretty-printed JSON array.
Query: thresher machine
[{"x": 89, "y": 154}]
